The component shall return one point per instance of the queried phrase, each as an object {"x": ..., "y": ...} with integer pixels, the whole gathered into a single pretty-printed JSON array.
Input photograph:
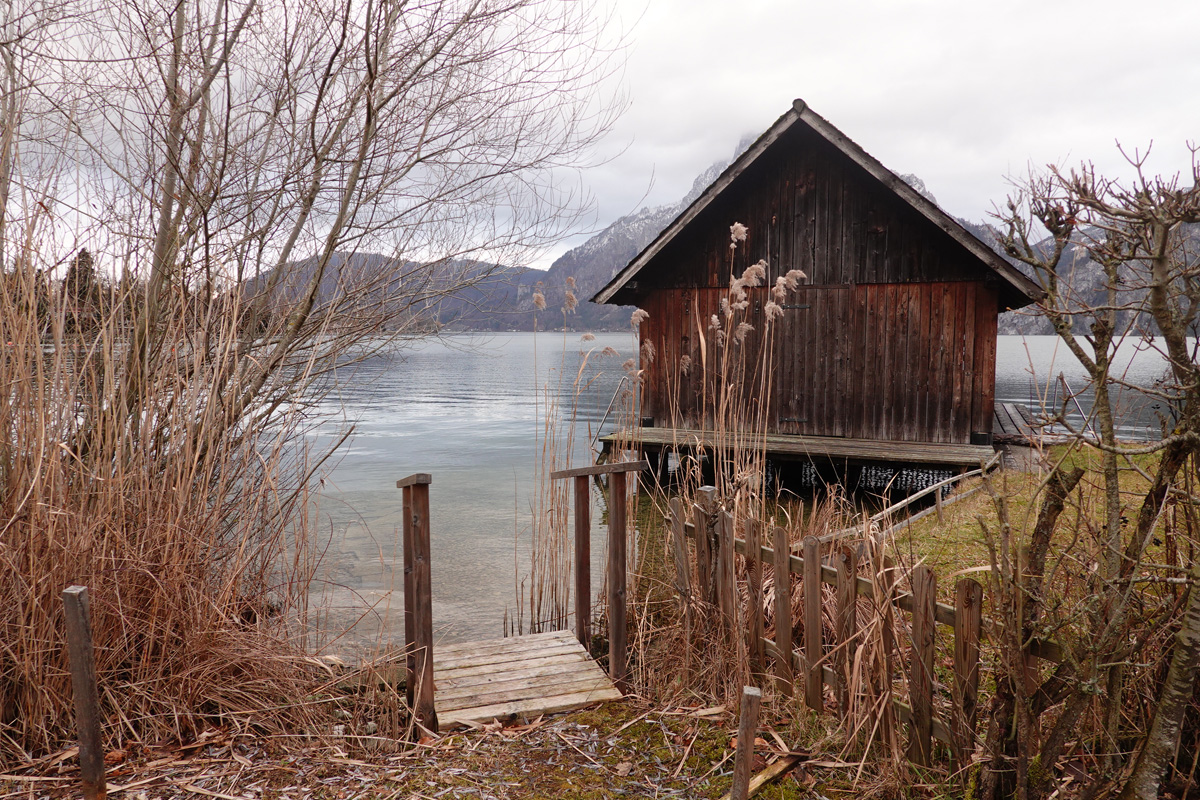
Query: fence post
[
  {"x": 707, "y": 504},
  {"x": 583, "y": 560},
  {"x": 422, "y": 594},
  {"x": 754, "y": 584},
  {"x": 682, "y": 581},
  {"x": 968, "y": 620},
  {"x": 813, "y": 692},
  {"x": 616, "y": 580},
  {"x": 847, "y": 615},
  {"x": 410, "y": 637},
  {"x": 884, "y": 581},
  {"x": 743, "y": 760},
  {"x": 726, "y": 581},
  {"x": 920, "y": 676},
  {"x": 87, "y": 695},
  {"x": 783, "y": 609}
]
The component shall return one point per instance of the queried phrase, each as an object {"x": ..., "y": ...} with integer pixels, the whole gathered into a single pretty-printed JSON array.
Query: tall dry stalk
[
  {"x": 188, "y": 526},
  {"x": 544, "y": 593}
]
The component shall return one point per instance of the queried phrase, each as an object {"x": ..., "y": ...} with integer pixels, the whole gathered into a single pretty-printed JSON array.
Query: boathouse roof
[{"x": 1016, "y": 289}]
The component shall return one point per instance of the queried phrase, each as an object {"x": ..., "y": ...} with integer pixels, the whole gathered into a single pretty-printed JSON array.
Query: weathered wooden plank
[
  {"x": 583, "y": 560},
  {"x": 506, "y": 643},
  {"x": 410, "y": 636},
  {"x": 920, "y": 676},
  {"x": 968, "y": 624},
  {"x": 524, "y": 679},
  {"x": 515, "y": 691},
  {"x": 726, "y": 580},
  {"x": 616, "y": 580},
  {"x": 985, "y": 356},
  {"x": 754, "y": 630},
  {"x": 86, "y": 692},
  {"x": 847, "y": 617},
  {"x": 813, "y": 695},
  {"x": 805, "y": 447},
  {"x": 423, "y": 704},
  {"x": 459, "y": 675},
  {"x": 783, "y": 610},
  {"x": 552, "y": 704},
  {"x": 602, "y": 469},
  {"x": 743, "y": 760},
  {"x": 504, "y": 656},
  {"x": 417, "y": 479}
]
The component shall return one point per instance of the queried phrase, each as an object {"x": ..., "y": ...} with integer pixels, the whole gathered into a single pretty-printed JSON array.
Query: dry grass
[{"x": 126, "y": 466}]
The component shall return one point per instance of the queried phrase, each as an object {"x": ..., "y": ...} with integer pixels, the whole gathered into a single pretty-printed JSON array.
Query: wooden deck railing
[
  {"x": 818, "y": 662},
  {"x": 617, "y": 518}
]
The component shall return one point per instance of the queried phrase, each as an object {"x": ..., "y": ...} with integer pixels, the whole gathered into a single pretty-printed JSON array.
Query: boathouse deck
[{"x": 1012, "y": 424}]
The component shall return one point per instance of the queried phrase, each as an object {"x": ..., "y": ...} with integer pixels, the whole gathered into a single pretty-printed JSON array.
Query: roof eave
[{"x": 1024, "y": 287}]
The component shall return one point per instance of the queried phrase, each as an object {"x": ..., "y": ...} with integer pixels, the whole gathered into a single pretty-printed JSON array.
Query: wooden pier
[
  {"x": 1012, "y": 424},
  {"x": 522, "y": 676}
]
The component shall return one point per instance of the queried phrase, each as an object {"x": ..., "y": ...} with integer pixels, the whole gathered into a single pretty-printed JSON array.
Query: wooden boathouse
[{"x": 885, "y": 354}]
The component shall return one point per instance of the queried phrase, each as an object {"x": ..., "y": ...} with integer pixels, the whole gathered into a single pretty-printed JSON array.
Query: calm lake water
[{"x": 468, "y": 410}]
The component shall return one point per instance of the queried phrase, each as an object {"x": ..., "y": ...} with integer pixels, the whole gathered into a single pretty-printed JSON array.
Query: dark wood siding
[
  {"x": 811, "y": 209},
  {"x": 898, "y": 361}
]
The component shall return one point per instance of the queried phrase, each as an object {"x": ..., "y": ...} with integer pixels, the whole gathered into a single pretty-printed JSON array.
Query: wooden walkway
[
  {"x": 518, "y": 677},
  {"x": 1013, "y": 424},
  {"x": 806, "y": 447},
  {"x": 523, "y": 676}
]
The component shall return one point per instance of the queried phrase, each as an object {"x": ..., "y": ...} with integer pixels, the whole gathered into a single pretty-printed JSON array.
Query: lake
[{"x": 468, "y": 409}]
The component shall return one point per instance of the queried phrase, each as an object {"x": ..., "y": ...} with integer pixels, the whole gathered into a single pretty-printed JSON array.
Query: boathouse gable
[{"x": 893, "y": 335}]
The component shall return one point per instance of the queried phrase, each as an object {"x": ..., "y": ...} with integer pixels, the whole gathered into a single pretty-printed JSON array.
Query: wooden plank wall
[
  {"x": 904, "y": 362},
  {"x": 898, "y": 340},
  {"x": 808, "y": 207}
]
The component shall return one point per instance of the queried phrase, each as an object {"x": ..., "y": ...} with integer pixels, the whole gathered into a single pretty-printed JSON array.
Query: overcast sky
[{"x": 963, "y": 94}]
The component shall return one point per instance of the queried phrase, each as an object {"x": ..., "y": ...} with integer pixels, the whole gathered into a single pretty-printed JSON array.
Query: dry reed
[{"x": 145, "y": 462}]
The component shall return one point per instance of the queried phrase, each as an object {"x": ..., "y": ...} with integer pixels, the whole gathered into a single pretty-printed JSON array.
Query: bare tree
[
  {"x": 263, "y": 186},
  {"x": 1143, "y": 238}
]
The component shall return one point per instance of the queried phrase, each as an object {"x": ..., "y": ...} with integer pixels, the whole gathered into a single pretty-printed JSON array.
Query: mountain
[{"x": 593, "y": 264}]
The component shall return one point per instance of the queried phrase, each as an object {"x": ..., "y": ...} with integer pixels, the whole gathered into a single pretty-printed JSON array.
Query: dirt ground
[{"x": 620, "y": 749}]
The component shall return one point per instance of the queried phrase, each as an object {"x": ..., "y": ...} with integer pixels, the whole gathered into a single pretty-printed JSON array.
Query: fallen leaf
[
  {"x": 624, "y": 768},
  {"x": 113, "y": 757}
]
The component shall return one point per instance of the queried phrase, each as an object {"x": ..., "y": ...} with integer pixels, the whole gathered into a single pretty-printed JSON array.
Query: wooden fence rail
[{"x": 713, "y": 533}]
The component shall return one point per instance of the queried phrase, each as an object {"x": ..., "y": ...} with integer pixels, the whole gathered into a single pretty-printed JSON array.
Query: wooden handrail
[
  {"x": 617, "y": 632},
  {"x": 601, "y": 469}
]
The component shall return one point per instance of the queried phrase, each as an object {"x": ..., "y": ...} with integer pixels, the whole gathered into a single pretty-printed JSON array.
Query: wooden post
[
  {"x": 743, "y": 760},
  {"x": 937, "y": 498},
  {"x": 410, "y": 640},
  {"x": 616, "y": 581},
  {"x": 754, "y": 644},
  {"x": 813, "y": 693},
  {"x": 683, "y": 581},
  {"x": 783, "y": 609},
  {"x": 847, "y": 615},
  {"x": 706, "y": 505},
  {"x": 968, "y": 621},
  {"x": 422, "y": 593},
  {"x": 726, "y": 578},
  {"x": 885, "y": 584},
  {"x": 920, "y": 674},
  {"x": 87, "y": 695},
  {"x": 583, "y": 561}
]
